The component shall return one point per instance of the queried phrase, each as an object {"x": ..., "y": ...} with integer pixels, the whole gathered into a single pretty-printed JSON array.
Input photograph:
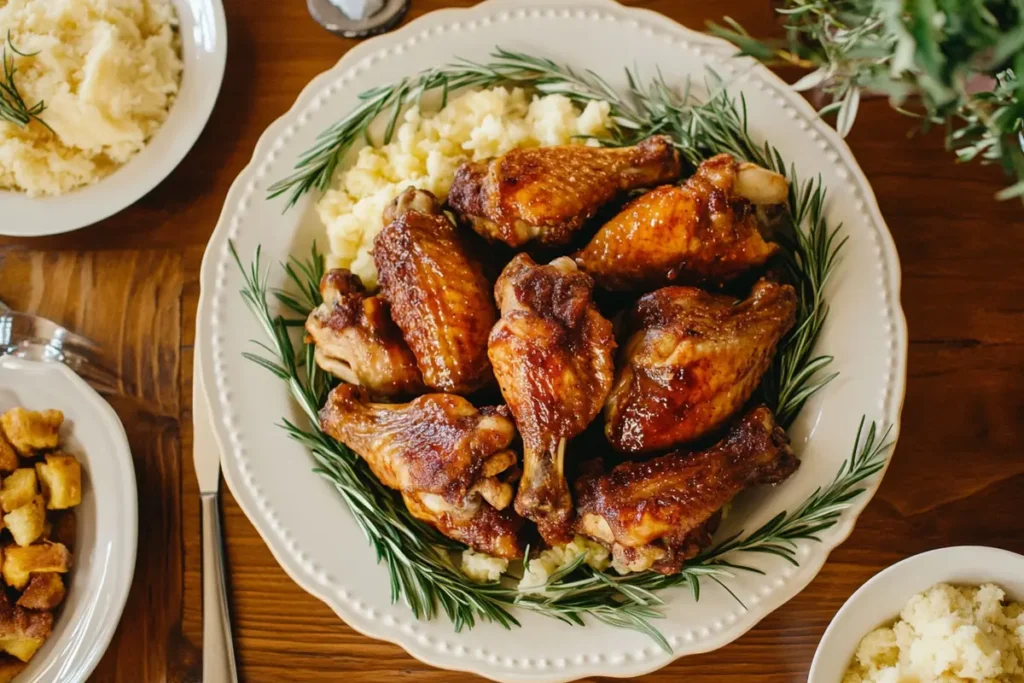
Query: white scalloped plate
[
  {"x": 103, "y": 559},
  {"x": 303, "y": 521}
]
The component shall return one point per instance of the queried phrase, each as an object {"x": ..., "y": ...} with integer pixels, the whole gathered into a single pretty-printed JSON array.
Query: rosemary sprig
[
  {"x": 418, "y": 558},
  {"x": 13, "y": 107},
  {"x": 952, "y": 64},
  {"x": 698, "y": 129},
  {"x": 422, "y": 572}
]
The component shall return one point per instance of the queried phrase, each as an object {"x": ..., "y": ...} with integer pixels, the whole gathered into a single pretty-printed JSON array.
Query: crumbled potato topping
[{"x": 947, "y": 634}]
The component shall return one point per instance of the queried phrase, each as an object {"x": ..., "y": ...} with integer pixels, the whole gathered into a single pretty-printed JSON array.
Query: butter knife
[{"x": 218, "y": 649}]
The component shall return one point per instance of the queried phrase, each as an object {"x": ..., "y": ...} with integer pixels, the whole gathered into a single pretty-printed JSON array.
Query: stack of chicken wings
[{"x": 611, "y": 307}]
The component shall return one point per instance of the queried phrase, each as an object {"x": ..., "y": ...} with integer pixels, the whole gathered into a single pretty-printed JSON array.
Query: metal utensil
[
  {"x": 330, "y": 16},
  {"x": 218, "y": 648},
  {"x": 36, "y": 338}
]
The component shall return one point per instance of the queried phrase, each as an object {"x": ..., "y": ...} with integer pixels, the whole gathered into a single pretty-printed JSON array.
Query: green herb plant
[
  {"x": 419, "y": 559},
  {"x": 951, "y": 63}
]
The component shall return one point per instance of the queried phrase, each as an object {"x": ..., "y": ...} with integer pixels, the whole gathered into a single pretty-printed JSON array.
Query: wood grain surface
[{"x": 131, "y": 283}]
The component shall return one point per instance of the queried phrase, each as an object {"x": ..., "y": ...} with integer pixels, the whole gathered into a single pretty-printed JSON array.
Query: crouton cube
[
  {"x": 23, "y": 631},
  {"x": 45, "y": 591},
  {"x": 8, "y": 459},
  {"x": 10, "y": 668},
  {"x": 30, "y": 431},
  {"x": 21, "y": 562},
  {"x": 60, "y": 477},
  {"x": 27, "y": 522},
  {"x": 18, "y": 489},
  {"x": 22, "y": 648}
]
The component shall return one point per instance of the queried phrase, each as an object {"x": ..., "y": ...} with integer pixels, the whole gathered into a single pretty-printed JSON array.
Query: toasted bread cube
[
  {"x": 10, "y": 668},
  {"x": 8, "y": 458},
  {"x": 60, "y": 477},
  {"x": 30, "y": 431},
  {"x": 22, "y": 648},
  {"x": 23, "y": 631},
  {"x": 20, "y": 563},
  {"x": 18, "y": 489},
  {"x": 27, "y": 522},
  {"x": 44, "y": 592}
]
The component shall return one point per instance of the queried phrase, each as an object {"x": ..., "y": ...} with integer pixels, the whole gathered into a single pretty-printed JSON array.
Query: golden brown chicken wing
[
  {"x": 552, "y": 355},
  {"x": 547, "y": 193},
  {"x": 693, "y": 360},
  {"x": 658, "y": 513},
  {"x": 439, "y": 296},
  {"x": 451, "y": 462},
  {"x": 703, "y": 231},
  {"x": 357, "y": 341}
]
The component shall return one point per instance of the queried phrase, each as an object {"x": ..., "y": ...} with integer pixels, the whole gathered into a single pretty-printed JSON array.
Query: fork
[{"x": 36, "y": 338}]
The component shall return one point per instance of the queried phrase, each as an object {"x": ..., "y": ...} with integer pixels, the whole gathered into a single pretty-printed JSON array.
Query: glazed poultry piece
[
  {"x": 552, "y": 354},
  {"x": 451, "y": 462},
  {"x": 546, "y": 194},
  {"x": 356, "y": 340},
  {"x": 692, "y": 360},
  {"x": 705, "y": 231},
  {"x": 656, "y": 514},
  {"x": 439, "y": 296}
]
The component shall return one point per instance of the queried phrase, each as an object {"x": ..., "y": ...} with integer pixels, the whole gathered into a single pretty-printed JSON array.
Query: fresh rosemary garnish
[
  {"x": 418, "y": 558},
  {"x": 952, "y": 64},
  {"x": 13, "y": 107}
]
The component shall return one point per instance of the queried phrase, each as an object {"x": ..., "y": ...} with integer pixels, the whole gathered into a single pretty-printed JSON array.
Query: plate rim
[
  {"x": 192, "y": 126},
  {"x": 889, "y": 260},
  {"x": 128, "y": 484}
]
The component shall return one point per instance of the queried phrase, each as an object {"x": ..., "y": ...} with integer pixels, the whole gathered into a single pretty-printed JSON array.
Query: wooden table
[{"x": 132, "y": 283}]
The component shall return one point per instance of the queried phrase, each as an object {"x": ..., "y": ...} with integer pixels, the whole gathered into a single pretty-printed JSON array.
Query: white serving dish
[
  {"x": 301, "y": 517},
  {"x": 103, "y": 559},
  {"x": 204, "y": 48},
  {"x": 881, "y": 599}
]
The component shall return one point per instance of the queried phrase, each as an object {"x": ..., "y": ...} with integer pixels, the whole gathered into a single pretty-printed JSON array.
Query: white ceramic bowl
[
  {"x": 204, "y": 51},
  {"x": 881, "y": 599},
  {"x": 103, "y": 557}
]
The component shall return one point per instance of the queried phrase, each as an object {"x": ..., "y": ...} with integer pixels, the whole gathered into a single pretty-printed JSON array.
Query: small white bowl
[
  {"x": 204, "y": 49},
  {"x": 103, "y": 556},
  {"x": 882, "y": 598}
]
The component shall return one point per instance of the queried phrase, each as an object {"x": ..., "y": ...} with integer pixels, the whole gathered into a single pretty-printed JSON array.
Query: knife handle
[{"x": 218, "y": 650}]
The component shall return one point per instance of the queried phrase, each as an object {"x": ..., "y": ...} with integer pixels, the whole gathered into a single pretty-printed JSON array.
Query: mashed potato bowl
[
  {"x": 203, "y": 36},
  {"x": 879, "y": 601}
]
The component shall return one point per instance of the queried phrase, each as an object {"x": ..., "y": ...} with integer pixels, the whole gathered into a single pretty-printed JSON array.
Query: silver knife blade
[{"x": 205, "y": 452}]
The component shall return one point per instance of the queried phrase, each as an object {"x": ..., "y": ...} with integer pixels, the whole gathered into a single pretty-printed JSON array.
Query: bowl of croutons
[{"x": 68, "y": 523}]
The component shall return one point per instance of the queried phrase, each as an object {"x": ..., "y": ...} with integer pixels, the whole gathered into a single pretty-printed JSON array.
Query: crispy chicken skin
[
  {"x": 552, "y": 354},
  {"x": 451, "y": 462},
  {"x": 358, "y": 342},
  {"x": 439, "y": 296},
  {"x": 658, "y": 513},
  {"x": 546, "y": 194},
  {"x": 705, "y": 231},
  {"x": 692, "y": 361}
]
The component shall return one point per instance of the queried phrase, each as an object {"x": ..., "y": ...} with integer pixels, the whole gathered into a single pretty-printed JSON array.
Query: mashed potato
[
  {"x": 482, "y": 568},
  {"x": 108, "y": 71},
  {"x": 553, "y": 559},
  {"x": 425, "y": 152},
  {"x": 946, "y": 634}
]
